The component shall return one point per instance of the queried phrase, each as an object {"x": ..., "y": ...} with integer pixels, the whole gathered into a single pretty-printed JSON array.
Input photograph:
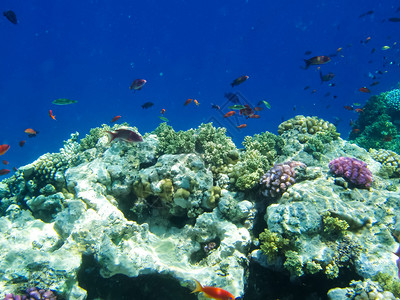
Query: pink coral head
[{"x": 353, "y": 170}]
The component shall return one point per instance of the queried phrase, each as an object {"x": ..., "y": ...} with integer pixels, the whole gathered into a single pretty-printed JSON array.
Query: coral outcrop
[{"x": 353, "y": 170}]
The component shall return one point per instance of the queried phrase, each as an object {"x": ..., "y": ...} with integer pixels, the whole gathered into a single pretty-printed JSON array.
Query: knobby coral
[
  {"x": 353, "y": 170},
  {"x": 280, "y": 177}
]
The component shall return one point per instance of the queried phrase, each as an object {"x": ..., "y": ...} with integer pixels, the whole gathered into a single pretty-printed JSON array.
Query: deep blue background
[{"x": 91, "y": 51}]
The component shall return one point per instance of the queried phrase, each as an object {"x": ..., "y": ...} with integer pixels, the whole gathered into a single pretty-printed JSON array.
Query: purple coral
[
  {"x": 280, "y": 177},
  {"x": 33, "y": 294},
  {"x": 353, "y": 170}
]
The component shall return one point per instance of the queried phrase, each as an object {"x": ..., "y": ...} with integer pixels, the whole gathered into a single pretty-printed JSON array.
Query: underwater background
[
  {"x": 227, "y": 222},
  {"x": 91, "y": 51}
]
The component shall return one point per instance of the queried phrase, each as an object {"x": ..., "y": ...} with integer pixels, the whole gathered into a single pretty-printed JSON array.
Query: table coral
[{"x": 353, "y": 170}]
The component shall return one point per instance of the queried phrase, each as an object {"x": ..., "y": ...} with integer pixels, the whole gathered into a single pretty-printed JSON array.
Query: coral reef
[
  {"x": 280, "y": 177},
  {"x": 390, "y": 161},
  {"x": 33, "y": 294},
  {"x": 353, "y": 170},
  {"x": 392, "y": 99},
  {"x": 361, "y": 290}
]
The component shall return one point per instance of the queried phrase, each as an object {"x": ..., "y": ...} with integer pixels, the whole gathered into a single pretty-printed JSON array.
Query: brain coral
[
  {"x": 280, "y": 177},
  {"x": 392, "y": 99},
  {"x": 353, "y": 170}
]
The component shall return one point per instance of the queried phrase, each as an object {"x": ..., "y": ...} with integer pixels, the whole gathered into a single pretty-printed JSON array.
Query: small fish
[
  {"x": 387, "y": 138},
  {"x": 370, "y": 12},
  {"x": 355, "y": 131},
  {"x": 11, "y": 16},
  {"x": 359, "y": 110},
  {"x": 31, "y": 132},
  {"x": 246, "y": 111},
  {"x": 162, "y": 111},
  {"x": 384, "y": 48},
  {"x": 308, "y": 52},
  {"x": 147, "y": 105},
  {"x": 126, "y": 135},
  {"x": 5, "y": 162},
  {"x": 332, "y": 84},
  {"x": 351, "y": 122},
  {"x": 51, "y": 115},
  {"x": 215, "y": 106},
  {"x": 326, "y": 77},
  {"x": 313, "y": 91},
  {"x": 232, "y": 97},
  {"x": 187, "y": 102},
  {"x": 4, "y": 148},
  {"x": 137, "y": 84},
  {"x": 21, "y": 143},
  {"x": 164, "y": 119},
  {"x": 116, "y": 118},
  {"x": 237, "y": 107},
  {"x": 196, "y": 102},
  {"x": 366, "y": 41},
  {"x": 241, "y": 126},
  {"x": 213, "y": 292},
  {"x": 373, "y": 50},
  {"x": 374, "y": 83},
  {"x": 356, "y": 104},
  {"x": 239, "y": 80},
  {"x": 229, "y": 114},
  {"x": 267, "y": 104},
  {"x": 257, "y": 108},
  {"x": 253, "y": 116},
  {"x": 339, "y": 49},
  {"x": 394, "y": 19},
  {"x": 64, "y": 101},
  {"x": 317, "y": 60},
  {"x": 306, "y": 87},
  {"x": 348, "y": 107},
  {"x": 364, "y": 89},
  {"x": 327, "y": 94},
  {"x": 4, "y": 171}
]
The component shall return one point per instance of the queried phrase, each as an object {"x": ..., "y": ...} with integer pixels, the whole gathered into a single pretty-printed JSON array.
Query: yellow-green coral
[
  {"x": 312, "y": 267},
  {"x": 334, "y": 226},
  {"x": 272, "y": 244},
  {"x": 332, "y": 271},
  {"x": 293, "y": 263},
  {"x": 214, "y": 197},
  {"x": 388, "y": 283},
  {"x": 304, "y": 127},
  {"x": 389, "y": 159},
  {"x": 167, "y": 189}
]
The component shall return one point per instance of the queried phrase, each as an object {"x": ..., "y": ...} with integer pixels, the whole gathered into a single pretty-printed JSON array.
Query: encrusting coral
[
  {"x": 353, "y": 170},
  {"x": 280, "y": 177}
]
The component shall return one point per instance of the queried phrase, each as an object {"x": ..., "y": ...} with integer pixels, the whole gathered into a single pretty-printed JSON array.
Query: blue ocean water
[{"x": 91, "y": 51}]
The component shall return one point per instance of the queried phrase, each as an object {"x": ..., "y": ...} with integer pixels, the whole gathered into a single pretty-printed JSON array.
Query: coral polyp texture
[
  {"x": 280, "y": 177},
  {"x": 33, "y": 294},
  {"x": 353, "y": 170},
  {"x": 393, "y": 99}
]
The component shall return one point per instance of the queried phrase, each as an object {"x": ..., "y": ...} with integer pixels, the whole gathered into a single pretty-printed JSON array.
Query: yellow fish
[{"x": 385, "y": 47}]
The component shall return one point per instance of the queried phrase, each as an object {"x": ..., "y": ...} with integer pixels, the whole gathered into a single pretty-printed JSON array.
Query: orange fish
[
  {"x": 317, "y": 60},
  {"x": 213, "y": 292},
  {"x": 4, "y": 171},
  {"x": 348, "y": 107},
  {"x": 229, "y": 114},
  {"x": 188, "y": 101},
  {"x": 257, "y": 108},
  {"x": 241, "y": 126},
  {"x": 254, "y": 116},
  {"x": 162, "y": 111},
  {"x": 51, "y": 114},
  {"x": 31, "y": 132},
  {"x": 4, "y": 148},
  {"x": 196, "y": 102},
  {"x": 355, "y": 130},
  {"x": 116, "y": 118},
  {"x": 21, "y": 143},
  {"x": 359, "y": 110},
  {"x": 239, "y": 80},
  {"x": 364, "y": 89},
  {"x": 5, "y": 162}
]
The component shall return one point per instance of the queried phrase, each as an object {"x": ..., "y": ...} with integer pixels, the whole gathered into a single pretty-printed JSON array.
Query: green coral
[
  {"x": 312, "y": 267},
  {"x": 332, "y": 271},
  {"x": 392, "y": 99},
  {"x": 214, "y": 197},
  {"x": 390, "y": 161},
  {"x": 272, "y": 244},
  {"x": 260, "y": 153},
  {"x": 211, "y": 143},
  {"x": 334, "y": 226},
  {"x": 293, "y": 263},
  {"x": 388, "y": 283}
]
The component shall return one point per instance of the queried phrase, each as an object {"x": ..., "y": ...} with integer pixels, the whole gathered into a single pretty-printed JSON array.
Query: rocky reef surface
[{"x": 96, "y": 217}]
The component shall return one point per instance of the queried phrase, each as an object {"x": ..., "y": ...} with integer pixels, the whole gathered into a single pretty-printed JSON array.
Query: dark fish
[
  {"x": 317, "y": 60},
  {"x": 215, "y": 106},
  {"x": 4, "y": 171},
  {"x": 306, "y": 87},
  {"x": 327, "y": 94},
  {"x": 239, "y": 80},
  {"x": 394, "y": 19},
  {"x": 137, "y": 84},
  {"x": 232, "y": 97},
  {"x": 374, "y": 83},
  {"x": 373, "y": 50},
  {"x": 370, "y": 12},
  {"x": 147, "y": 104},
  {"x": 332, "y": 84},
  {"x": 398, "y": 9},
  {"x": 126, "y": 135},
  {"x": 21, "y": 143},
  {"x": 11, "y": 16},
  {"x": 308, "y": 52},
  {"x": 326, "y": 77}
]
